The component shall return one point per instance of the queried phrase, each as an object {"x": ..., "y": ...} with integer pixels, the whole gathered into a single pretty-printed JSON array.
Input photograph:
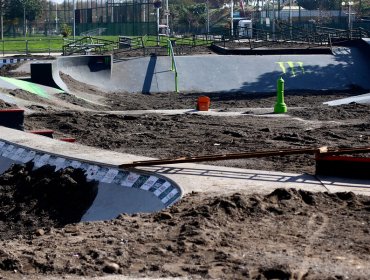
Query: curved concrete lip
[{"x": 119, "y": 191}]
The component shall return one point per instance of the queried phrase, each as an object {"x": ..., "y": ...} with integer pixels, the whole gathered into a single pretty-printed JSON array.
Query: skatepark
[{"x": 160, "y": 187}]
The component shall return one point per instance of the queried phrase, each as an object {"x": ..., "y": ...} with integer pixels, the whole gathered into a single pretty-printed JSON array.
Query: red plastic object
[
  {"x": 45, "y": 132},
  {"x": 203, "y": 103},
  {"x": 70, "y": 140}
]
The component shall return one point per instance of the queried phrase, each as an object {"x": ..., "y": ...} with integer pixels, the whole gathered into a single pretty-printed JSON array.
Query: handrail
[
  {"x": 88, "y": 43},
  {"x": 330, "y": 43},
  {"x": 173, "y": 64}
]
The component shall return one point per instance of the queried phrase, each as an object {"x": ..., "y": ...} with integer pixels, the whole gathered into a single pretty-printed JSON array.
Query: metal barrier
[
  {"x": 89, "y": 45},
  {"x": 173, "y": 63},
  {"x": 28, "y": 46}
]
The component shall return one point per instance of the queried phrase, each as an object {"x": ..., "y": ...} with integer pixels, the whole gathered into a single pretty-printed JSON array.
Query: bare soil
[
  {"x": 311, "y": 124},
  {"x": 288, "y": 234}
]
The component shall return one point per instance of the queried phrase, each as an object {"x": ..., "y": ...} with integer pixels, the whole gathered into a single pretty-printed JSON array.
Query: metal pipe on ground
[{"x": 317, "y": 151}]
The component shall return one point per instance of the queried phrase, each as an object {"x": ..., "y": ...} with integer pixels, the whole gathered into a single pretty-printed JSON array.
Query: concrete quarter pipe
[{"x": 344, "y": 69}]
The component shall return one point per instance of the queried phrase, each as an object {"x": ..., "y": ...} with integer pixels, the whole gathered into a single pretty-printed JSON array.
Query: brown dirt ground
[
  {"x": 167, "y": 136},
  {"x": 288, "y": 234}
]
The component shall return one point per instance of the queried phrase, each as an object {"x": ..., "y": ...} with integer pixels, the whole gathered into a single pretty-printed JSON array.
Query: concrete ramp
[
  {"x": 360, "y": 99},
  {"x": 90, "y": 69},
  {"x": 119, "y": 191},
  {"x": 37, "y": 89},
  {"x": 347, "y": 67}
]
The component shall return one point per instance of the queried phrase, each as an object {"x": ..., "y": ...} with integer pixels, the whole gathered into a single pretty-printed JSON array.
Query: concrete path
[{"x": 190, "y": 177}]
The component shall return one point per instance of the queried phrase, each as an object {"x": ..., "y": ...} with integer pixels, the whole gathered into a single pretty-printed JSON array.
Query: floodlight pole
[
  {"x": 158, "y": 27},
  {"x": 232, "y": 17},
  {"x": 74, "y": 20},
  {"x": 56, "y": 18},
  {"x": 290, "y": 19},
  {"x": 207, "y": 16},
  {"x": 273, "y": 19},
  {"x": 349, "y": 4},
  {"x": 167, "y": 19},
  {"x": 24, "y": 19}
]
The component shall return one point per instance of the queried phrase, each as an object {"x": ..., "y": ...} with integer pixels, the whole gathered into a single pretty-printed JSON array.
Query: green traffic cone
[{"x": 280, "y": 106}]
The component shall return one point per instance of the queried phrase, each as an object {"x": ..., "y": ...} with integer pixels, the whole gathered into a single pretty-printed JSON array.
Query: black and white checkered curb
[
  {"x": 161, "y": 188},
  {"x": 14, "y": 60}
]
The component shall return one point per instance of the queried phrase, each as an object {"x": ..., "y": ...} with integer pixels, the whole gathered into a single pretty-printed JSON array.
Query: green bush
[{"x": 66, "y": 30}]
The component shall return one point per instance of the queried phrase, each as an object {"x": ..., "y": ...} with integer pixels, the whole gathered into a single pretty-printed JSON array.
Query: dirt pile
[
  {"x": 32, "y": 200},
  {"x": 5, "y": 105},
  {"x": 286, "y": 234}
]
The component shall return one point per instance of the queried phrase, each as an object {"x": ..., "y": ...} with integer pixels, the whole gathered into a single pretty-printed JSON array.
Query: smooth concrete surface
[
  {"x": 192, "y": 177},
  {"x": 112, "y": 200},
  {"x": 79, "y": 69},
  {"x": 12, "y": 84},
  {"x": 219, "y": 73},
  {"x": 360, "y": 99},
  {"x": 223, "y": 180}
]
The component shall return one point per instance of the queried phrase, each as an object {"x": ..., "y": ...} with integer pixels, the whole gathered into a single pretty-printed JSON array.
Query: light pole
[
  {"x": 157, "y": 5},
  {"x": 349, "y": 4},
  {"x": 232, "y": 17},
  {"x": 24, "y": 21},
  {"x": 273, "y": 19},
  {"x": 290, "y": 19},
  {"x": 56, "y": 18},
  {"x": 167, "y": 19},
  {"x": 207, "y": 16},
  {"x": 74, "y": 20}
]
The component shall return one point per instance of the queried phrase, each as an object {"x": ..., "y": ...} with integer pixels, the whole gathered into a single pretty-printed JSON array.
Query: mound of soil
[
  {"x": 31, "y": 200},
  {"x": 288, "y": 234},
  {"x": 5, "y": 105}
]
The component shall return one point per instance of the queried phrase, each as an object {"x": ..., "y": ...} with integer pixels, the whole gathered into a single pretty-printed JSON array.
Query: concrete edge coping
[{"x": 162, "y": 187}]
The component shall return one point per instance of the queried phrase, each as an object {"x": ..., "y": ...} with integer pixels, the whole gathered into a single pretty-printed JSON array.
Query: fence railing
[
  {"x": 173, "y": 64},
  {"x": 89, "y": 45},
  {"x": 31, "y": 46}
]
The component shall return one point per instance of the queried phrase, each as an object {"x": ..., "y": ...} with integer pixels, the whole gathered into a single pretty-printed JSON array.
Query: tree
[
  {"x": 31, "y": 8},
  {"x": 28, "y": 9},
  {"x": 193, "y": 16}
]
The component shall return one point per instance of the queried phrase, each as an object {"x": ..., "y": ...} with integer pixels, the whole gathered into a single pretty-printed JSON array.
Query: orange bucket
[{"x": 203, "y": 103}]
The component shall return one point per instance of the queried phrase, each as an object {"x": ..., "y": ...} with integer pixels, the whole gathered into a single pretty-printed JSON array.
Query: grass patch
[{"x": 43, "y": 44}]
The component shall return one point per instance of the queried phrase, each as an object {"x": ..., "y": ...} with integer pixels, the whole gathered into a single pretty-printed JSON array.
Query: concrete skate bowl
[
  {"x": 346, "y": 68},
  {"x": 90, "y": 69},
  {"x": 114, "y": 191}
]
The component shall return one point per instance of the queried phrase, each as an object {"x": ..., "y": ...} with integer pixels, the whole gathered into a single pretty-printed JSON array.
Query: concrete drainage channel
[{"x": 119, "y": 191}]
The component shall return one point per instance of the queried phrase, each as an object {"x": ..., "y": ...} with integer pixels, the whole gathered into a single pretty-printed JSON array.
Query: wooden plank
[{"x": 346, "y": 151}]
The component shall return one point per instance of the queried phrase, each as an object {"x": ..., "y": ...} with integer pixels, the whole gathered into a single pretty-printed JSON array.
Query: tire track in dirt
[{"x": 321, "y": 221}]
